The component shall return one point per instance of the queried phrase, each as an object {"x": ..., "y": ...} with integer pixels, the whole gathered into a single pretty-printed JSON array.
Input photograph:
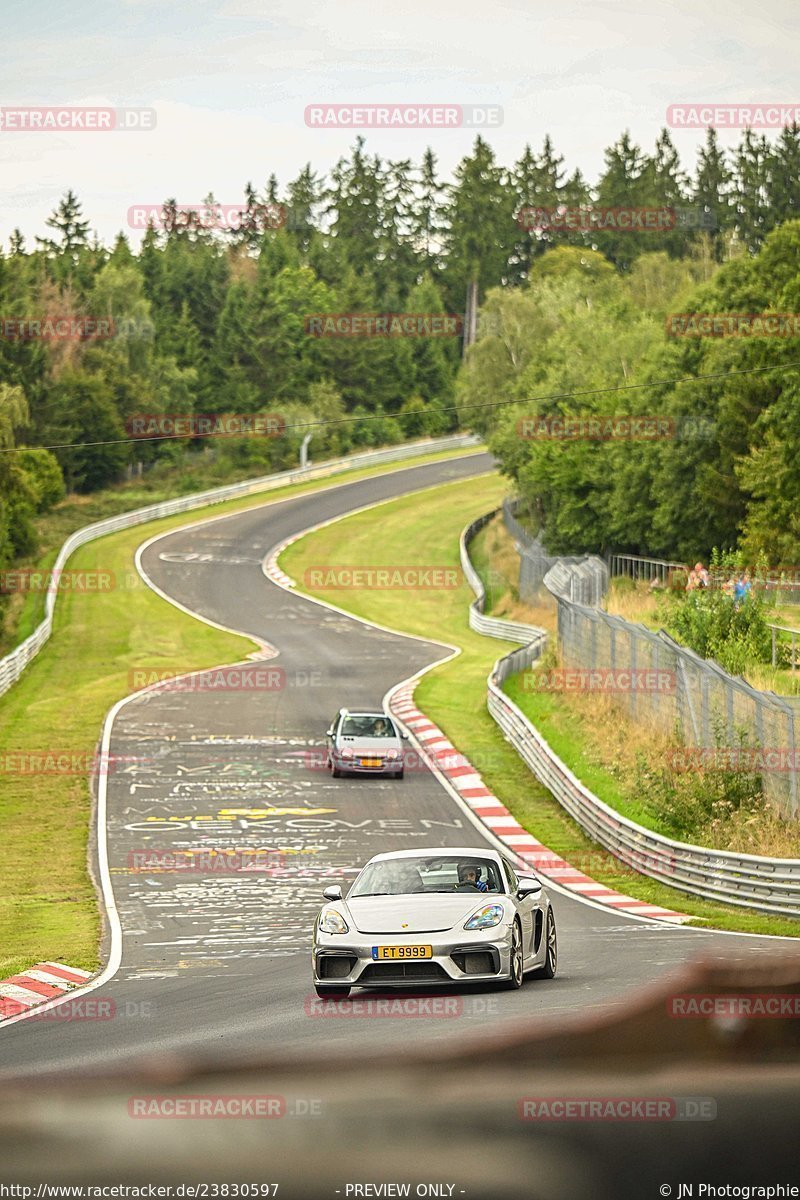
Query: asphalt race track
[{"x": 217, "y": 965}]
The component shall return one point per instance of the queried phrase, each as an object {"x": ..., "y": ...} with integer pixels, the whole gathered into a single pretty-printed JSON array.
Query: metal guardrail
[
  {"x": 637, "y": 567},
  {"x": 14, "y": 663},
  {"x": 746, "y": 880},
  {"x": 794, "y": 648},
  {"x": 509, "y": 631},
  {"x": 587, "y": 582}
]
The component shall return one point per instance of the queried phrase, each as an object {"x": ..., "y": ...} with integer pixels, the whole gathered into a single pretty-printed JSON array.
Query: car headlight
[
  {"x": 392, "y": 753},
  {"x": 485, "y": 918},
  {"x": 333, "y": 922},
  {"x": 347, "y": 752}
]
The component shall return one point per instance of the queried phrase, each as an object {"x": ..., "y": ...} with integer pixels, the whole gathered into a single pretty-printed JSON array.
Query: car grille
[
  {"x": 386, "y": 972},
  {"x": 335, "y": 966},
  {"x": 476, "y": 962}
]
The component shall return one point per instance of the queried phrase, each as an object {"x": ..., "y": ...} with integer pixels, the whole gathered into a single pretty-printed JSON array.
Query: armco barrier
[
  {"x": 769, "y": 885},
  {"x": 586, "y": 580},
  {"x": 509, "y": 631},
  {"x": 12, "y": 666}
]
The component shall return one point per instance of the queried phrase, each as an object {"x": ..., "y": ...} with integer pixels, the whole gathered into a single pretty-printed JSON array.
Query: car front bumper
[
  {"x": 465, "y": 956},
  {"x": 388, "y": 766}
]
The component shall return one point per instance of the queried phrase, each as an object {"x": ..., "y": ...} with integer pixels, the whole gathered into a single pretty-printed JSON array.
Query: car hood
[
  {"x": 369, "y": 747},
  {"x": 413, "y": 914}
]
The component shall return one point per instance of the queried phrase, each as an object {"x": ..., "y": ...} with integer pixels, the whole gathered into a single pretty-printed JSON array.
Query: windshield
[
  {"x": 367, "y": 727},
  {"x": 411, "y": 876}
]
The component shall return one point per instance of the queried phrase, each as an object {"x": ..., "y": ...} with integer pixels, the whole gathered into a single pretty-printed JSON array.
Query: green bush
[
  {"x": 44, "y": 477},
  {"x": 687, "y": 802}
]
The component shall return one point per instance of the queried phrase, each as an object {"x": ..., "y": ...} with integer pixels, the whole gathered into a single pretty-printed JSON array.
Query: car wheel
[
  {"x": 335, "y": 772},
  {"x": 397, "y": 774},
  {"x": 550, "y": 965},
  {"x": 515, "y": 978},
  {"x": 330, "y": 989}
]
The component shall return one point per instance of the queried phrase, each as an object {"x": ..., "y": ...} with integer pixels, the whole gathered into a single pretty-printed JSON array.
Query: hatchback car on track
[
  {"x": 364, "y": 743},
  {"x": 434, "y": 916}
]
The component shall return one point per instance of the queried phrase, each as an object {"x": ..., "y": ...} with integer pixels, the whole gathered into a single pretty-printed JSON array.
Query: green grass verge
[
  {"x": 48, "y": 907},
  {"x": 563, "y": 729},
  {"x": 424, "y": 529}
]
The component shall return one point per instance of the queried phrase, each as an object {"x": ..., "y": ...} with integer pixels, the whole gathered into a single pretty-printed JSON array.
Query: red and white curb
[
  {"x": 270, "y": 565},
  {"x": 45, "y": 981},
  {"x": 469, "y": 785}
]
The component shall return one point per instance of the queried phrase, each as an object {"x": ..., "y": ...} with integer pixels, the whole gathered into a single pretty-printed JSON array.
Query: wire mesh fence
[
  {"x": 586, "y": 582},
  {"x": 720, "y": 718},
  {"x": 748, "y": 880}
]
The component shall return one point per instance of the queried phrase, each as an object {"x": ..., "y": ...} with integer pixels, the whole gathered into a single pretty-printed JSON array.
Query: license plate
[
  {"x": 379, "y": 952},
  {"x": 370, "y": 762}
]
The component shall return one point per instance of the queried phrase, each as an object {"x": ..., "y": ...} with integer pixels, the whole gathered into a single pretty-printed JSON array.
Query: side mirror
[
  {"x": 404, "y": 736},
  {"x": 528, "y": 887},
  {"x": 333, "y": 893}
]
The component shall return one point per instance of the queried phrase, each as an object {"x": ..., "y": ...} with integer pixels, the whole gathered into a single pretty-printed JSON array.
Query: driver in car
[{"x": 469, "y": 879}]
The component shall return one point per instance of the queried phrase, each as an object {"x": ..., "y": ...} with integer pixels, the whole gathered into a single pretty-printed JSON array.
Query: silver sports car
[
  {"x": 365, "y": 743},
  {"x": 434, "y": 917}
]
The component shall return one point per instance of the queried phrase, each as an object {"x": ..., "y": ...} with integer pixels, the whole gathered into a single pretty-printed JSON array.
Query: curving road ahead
[{"x": 217, "y": 965}]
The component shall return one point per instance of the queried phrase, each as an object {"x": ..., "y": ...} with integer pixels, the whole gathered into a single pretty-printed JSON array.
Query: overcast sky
[{"x": 230, "y": 81}]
